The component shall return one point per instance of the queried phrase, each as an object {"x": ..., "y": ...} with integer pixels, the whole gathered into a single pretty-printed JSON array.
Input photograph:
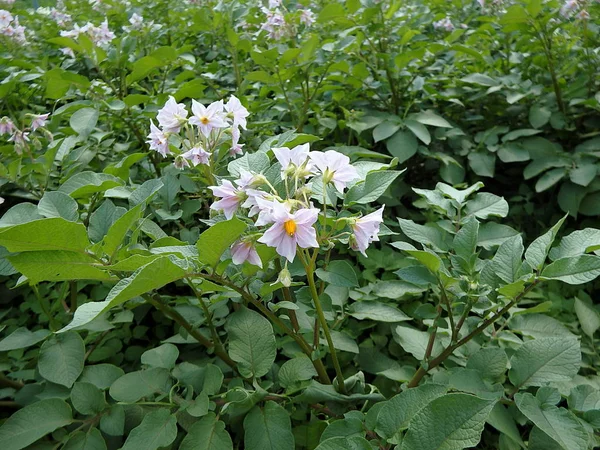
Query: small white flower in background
[
  {"x": 236, "y": 147},
  {"x": 197, "y": 155},
  {"x": 274, "y": 3},
  {"x": 39, "y": 121},
  {"x": 172, "y": 116},
  {"x": 335, "y": 167},
  {"x": 158, "y": 140},
  {"x": 569, "y": 8},
  {"x": 307, "y": 17},
  {"x": 237, "y": 112},
  {"x": 245, "y": 251},
  {"x": 5, "y": 18},
  {"x": 365, "y": 231},
  {"x": 291, "y": 230},
  {"x": 583, "y": 15},
  {"x": 208, "y": 118},
  {"x": 294, "y": 160},
  {"x": 67, "y": 51},
  {"x": 6, "y": 126},
  {"x": 231, "y": 198},
  {"x": 1, "y": 200},
  {"x": 275, "y": 24},
  {"x": 444, "y": 24},
  {"x": 136, "y": 20}
]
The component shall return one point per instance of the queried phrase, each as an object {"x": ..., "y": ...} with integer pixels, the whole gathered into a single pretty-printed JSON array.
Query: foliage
[{"x": 311, "y": 260}]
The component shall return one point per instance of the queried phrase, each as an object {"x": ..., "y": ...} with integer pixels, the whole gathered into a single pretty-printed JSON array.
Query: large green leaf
[
  {"x": 29, "y": 424},
  {"x": 450, "y": 422},
  {"x": 507, "y": 260},
  {"x": 87, "y": 183},
  {"x": 45, "y": 234},
  {"x": 338, "y": 273},
  {"x": 558, "y": 423},
  {"x": 537, "y": 252},
  {"x": 52, "y": 265},
  {"x": 268, "y": 428},
  {"x": 251, "y": 342},
  {"x": 58, "y": 204},
  {"x": 207, "y": 434},
  {"x": 372, "y": 188},
  {"x": 158, "y": 429},
  {"x": 545, "y": 360},
  {"x": 573, "y": 269},
  {"x": 153, "y": 275},
  {"x": 134, "y": 385},
  {"x": 86, "y": 440},
  {"x": 486, "y": 205},
  {"x": 588, "y": 316},
  {"x": 377, "y": 311},
  {"x": 83, "y": 121},
  {"x": 116, "y": 233},
  {"x": 218, "y": 238},
  {"x": 577, "y": 243},
  {"x": 22, "y": 338},
  {"x": 61, "y": 358}
]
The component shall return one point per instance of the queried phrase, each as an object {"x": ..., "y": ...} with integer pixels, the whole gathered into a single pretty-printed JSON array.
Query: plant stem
[
  {"x": 213, "y": 331},
  {"x": 321, "y": 315},
  {"x": 156, "y": 301},
  {"x": 421, "y": 372}
]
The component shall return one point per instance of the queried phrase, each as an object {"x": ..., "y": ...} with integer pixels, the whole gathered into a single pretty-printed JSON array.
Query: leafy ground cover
[{"x": 299, "y": 225}]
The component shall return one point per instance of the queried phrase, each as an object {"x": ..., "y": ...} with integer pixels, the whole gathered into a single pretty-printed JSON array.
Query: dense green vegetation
[{"x": 364, "y": 224}]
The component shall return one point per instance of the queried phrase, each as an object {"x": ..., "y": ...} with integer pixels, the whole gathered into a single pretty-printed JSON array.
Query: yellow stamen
[
  {"x": 290, "y": 227},
  {"x": 204, "y": 120}
]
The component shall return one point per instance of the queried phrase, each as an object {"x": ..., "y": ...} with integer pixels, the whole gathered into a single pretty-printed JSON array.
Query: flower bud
[{"x": 285, "y": 277}]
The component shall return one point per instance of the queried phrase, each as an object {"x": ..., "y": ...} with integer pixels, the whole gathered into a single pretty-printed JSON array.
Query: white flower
[
  {"x": 335, "y": 167},
  {"x": 209, "y": 118},
  {"x": 197, "y": 155},
  {"x": 294, "y": 160},
  {"x": 39, "y": 121},
  {"x": 365, "y": 230},
  {"x": 237, "y": 111},
  {"x": 5, "y": 18},
  {"x": 172, "y": 116},
  {"x": 158, "y": 140}
]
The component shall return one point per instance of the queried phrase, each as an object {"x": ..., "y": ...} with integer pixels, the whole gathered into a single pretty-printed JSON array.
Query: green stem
[
  {"x": 213, "y": 331},
  {"x": 421, "y": 372},
  {"x": 51, "y": 320},
  {"x": 321, "y": 315}
]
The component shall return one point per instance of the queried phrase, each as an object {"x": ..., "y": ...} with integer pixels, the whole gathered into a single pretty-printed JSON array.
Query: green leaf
[
  {"x": 549, "y": 179},
  {"x": 396, "y": 413},
  {"x": 537, "y": 252},
  {"x": 45, "y": 234},
  {"x": 82, "y": 440},
  {"x": 84, "y": 120},
  {"x": 403, "y": 145},
  {"x": 426, "y": 257},
  {"x": 58, "y": 266},
  {"x": 251, "y": 342},
  {"x": 415, "y": 341},
  {"x": 29, "y": 424},
  {"x": 372, "y": 188},
  {"x": 22, "y": 338},
  {"x": 450, "y": 422},
  {"x": 207, "y": 434},
  {"x": 507, "y": 260},
  {"x": 346, "y": 443},
  {"x": 153, "y": 275},
  {"x": 58, "y": 204},
  {"x": 486, "y": 205},
  {"x": 545, "y": 360},
  {"x": 377, "y": 311},
  {"x": 460, "y": 195},
  {"x": 338, "y": 273},
  {"x": 558, "y": 423},
  {"x": 491, "y": 362},
  {"x": 218, "y": 238},
  {"x": 501, "y": 419},
  {"x": 296, "y": 369},
  {"x": 539, "y": 116},
  {"x": 116, "y": 233},
  {"x": 583, "y": 175},
  {"x": 87, "y": 399},
  {"x": 426, "y": 235},
  {"x": 134, "y": 385},
  {"x": 384, "y": 130},
  {"x": 483, "y": 163},
  {"x": 419, "y": 130},
  {"x": 588, "y": 316},
  {"x": 268, "y": 428},
  {"x": 465, "y": 240},
  {"x": 101, "y": 375},
  {"x": 158, "y": 429},
  {"x": 576, "y": 243},
  {"x": 85, "y": 184},
  {"x": 61, "y": 358},
  {"x": 573, "y": 269},
  {"x": 142, "y": 68},
  {"x": 163, "y": 356},
  {"x": 430, "y": 118}
]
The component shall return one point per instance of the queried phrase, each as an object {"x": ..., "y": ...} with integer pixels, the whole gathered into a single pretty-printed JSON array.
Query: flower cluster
[
  {"x": 574, "y": 8},
  {"x": 10, "y": 27},
  {"x": 138, "y": 23},
  {"x": 100, "y": 36},
  {"x": 444, "y": 24},
  {"x": 21, "y": 137},
  {"x": 207, "y": 128},
  {"x": 278, "y": 25},
  {"x": 285, "y": 218}
]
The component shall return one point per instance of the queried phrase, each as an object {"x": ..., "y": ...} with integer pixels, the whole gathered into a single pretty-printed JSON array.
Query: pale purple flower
[
  {"x": 583, "y": 15},
  {"x": 335, "y": 167},
  {"x": 274, "y": 3},
  {"x": 209, "y": 118},
  {"x": 307, "y": 17},
  {"x": 231, "y": 198},
  {"x": 236, "y": 110},
  {"x": 172, "y": 115},
  {"x": 197, "y": 155},
  {"x": 444, "y": 24},
  {"x": 39, "y": 121},
  {"x": 20, "y": 138},
  {"x": 158, "y": 140},
  {"x": 366, "y": 230},
  {"x": 294, "y": 159},
  {"x": 5, "y": 18},
  {"x": 244, "y": 251},
  {"x": 569, "y": 8},
  {"x": 265, "y": 207},
  {"x": 6, "y": 126},
  {"x": 291, "y": 230},
  {"x": 136, "y": 20},
  {"x": 67, "y": 51},
  {"x": 275, "y": 24},
  {"x": 252, "y": 202},
  {"x": 236, "y": 147},
  {"x": 247, "y": 179},
  {"x": 180, "y": 162}
]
